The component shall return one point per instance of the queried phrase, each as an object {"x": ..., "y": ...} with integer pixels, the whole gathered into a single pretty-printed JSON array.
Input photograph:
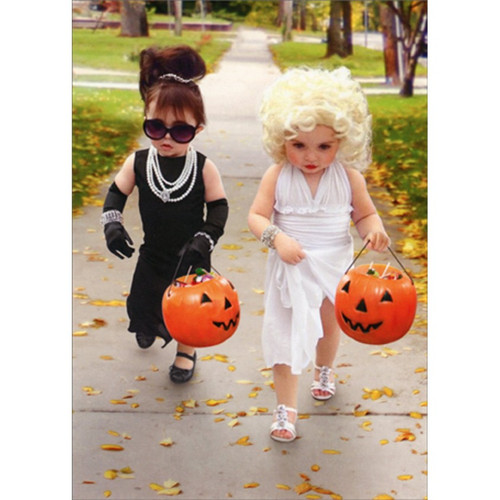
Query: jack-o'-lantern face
[
  {"x": 201, "y": 311},
  {"x": 373, "y": 306}
]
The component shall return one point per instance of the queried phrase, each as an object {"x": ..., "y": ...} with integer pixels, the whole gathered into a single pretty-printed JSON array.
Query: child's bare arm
[
  {"x": 365, "y": 217},
  {"x": 259, "y": 218}
]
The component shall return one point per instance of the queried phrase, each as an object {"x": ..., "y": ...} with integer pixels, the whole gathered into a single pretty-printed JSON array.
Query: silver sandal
[
  {"x": 323, "y": 384},
  {"x": 283, "y": 424}
]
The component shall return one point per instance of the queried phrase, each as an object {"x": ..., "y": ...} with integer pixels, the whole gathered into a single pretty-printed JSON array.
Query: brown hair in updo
[{"x": 168, "y": 93}]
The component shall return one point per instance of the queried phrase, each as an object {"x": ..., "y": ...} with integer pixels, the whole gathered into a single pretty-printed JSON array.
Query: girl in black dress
[{"x": 182, "y": 201}]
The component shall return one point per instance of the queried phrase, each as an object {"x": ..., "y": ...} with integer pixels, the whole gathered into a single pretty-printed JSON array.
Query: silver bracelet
[
  {"x": 111, "y": 216},
  {"x": 208, "y": 237},
  {"x": 269, "y": 234}
]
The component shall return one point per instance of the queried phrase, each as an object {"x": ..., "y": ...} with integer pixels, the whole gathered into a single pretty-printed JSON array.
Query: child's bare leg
[
  {"x": 286, "y": 387},
  {"x": 327, "y": 347},
  {"x": 181, "y": 362}
]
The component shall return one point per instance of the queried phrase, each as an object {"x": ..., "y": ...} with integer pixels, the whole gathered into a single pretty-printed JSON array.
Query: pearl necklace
[{"x": 155, "y": 177}]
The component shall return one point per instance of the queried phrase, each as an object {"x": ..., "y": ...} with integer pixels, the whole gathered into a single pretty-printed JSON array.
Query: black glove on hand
[
  {"x": 118, "y": 240},
  {"x": 196, "y": 252}
]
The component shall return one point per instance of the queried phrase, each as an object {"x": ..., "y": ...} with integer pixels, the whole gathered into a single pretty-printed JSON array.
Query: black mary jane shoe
[
  {"x": 181, "y": 375},
  {"x": 144, "y": 340}
]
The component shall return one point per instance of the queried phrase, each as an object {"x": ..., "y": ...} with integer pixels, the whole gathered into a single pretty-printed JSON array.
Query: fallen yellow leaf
[
  {"x": 244, "y": 441},
  {"x": 315, "y": 468},
  {"x": 415, "y": 414},
  {"x": 106, "y": 357},
  {"x": 405, "y": 477},
  {"x": 170, "y": 483},
  {"x": 166, "y": 442},
  {"x": 302, "y": 488},
  {"x": 366, "y": 426},
  {"x": 405, "y": 436},
  {"x": 251, "y": 485},
  {"x": 231, "y": 246},
  {"x": 170, "y": 491},
  {"x": 108, "y": 303},
  {"x": 111, "y": 447},
  {"x": 283, "y": 487},
  {"x": 331, "y": 452},
  {"x": 383, "y": 441},
  {"x": 215, "y": 402},
  {"x": 360, "y": 413},
  {"x": 80, "y": 333},
  {"x": 155, "y": 487},
  {"x": 111, "y": 474},
  {"x": 383, "y": 496},
  {"x": 107, "y": 494},
  {"x": 388, "y": 391}
]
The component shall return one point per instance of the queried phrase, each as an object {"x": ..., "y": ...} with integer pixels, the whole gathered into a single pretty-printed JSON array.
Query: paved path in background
[
  {"x": 122, "y": 395},
  {"x": 372, "y": 86}
]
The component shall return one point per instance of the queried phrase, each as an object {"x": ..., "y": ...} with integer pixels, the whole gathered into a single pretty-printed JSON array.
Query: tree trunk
[
  {"x": 178, "y": 17},
  {"x": 390, "y": 46},
  {"x": 347, "y": 17},
  {"x": 413, "y": 20},
  {"x": 134, "y": 19},
  {"x": 302, "y": 15},
  {"x": 334, "y": 41},
  {"x": 288, "y": 14}
]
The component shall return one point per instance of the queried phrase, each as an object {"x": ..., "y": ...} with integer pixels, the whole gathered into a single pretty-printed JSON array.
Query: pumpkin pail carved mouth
[
  {"x": 355, "y": 326},
  {"x": 232, "y": 323}
]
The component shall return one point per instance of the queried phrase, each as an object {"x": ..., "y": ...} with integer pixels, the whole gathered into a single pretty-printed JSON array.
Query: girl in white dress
[{"x": 317, "y": 129}]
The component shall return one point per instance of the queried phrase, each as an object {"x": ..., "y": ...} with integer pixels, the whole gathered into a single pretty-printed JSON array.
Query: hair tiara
[{"x": 177, "y": 78}]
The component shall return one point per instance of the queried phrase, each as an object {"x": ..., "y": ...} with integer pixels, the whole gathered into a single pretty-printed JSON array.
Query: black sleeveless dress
[{"x": 167, "y": 227}]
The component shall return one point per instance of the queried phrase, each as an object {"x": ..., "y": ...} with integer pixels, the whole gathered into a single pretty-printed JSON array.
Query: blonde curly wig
[{"x": 303, "y": 98}]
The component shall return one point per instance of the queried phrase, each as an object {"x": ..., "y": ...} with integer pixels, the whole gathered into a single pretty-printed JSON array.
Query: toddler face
[
  {"x": 167, "y": 146},
  {"x": 312, "y": 151}
]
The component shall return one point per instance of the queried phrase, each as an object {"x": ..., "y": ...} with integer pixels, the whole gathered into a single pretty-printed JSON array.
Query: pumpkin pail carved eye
[
  {"x": 387, "y": 297},
  {"x": 361, "y": 306},
  {"x": 205, "y": 298},
  {"x": 227, "y": 304},
  {"x": 345, "y": 288}
]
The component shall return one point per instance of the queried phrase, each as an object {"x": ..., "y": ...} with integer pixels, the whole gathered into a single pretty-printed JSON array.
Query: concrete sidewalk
[{"x": 218, "y": 423}]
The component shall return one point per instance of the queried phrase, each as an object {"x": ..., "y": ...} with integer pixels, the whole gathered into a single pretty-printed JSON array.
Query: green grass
[
  {"x": 400, "y": 150},
  {"x": 363, "y": 62},
  {"x": 106, "y": 124},
  {"x": 106, "y": 49}
]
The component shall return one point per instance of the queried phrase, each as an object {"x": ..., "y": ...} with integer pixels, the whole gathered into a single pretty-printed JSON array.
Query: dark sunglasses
[{"x": 155, "y": 129}]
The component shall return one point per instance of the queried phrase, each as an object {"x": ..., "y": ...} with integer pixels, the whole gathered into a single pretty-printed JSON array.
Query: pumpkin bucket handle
[
  {"x": 189, "y": 270},
  {"x": 390, "y": 250}
]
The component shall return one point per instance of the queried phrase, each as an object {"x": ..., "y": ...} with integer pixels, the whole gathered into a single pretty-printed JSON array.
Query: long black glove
[
  {"x": 196, "y": 251},
  {"x": 118, "y": 240}
]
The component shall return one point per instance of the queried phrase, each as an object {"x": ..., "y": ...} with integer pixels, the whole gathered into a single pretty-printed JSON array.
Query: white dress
[{"x": 294, "y": 293}]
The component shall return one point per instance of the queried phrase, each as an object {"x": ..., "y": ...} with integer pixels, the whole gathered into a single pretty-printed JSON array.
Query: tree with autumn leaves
[{"x": 403, "y": 24}]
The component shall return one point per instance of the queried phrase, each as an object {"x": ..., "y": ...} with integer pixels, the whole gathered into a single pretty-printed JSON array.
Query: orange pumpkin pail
[
  {"x": 375, "y": 303},
  {"x": 201, "y": 310}
]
